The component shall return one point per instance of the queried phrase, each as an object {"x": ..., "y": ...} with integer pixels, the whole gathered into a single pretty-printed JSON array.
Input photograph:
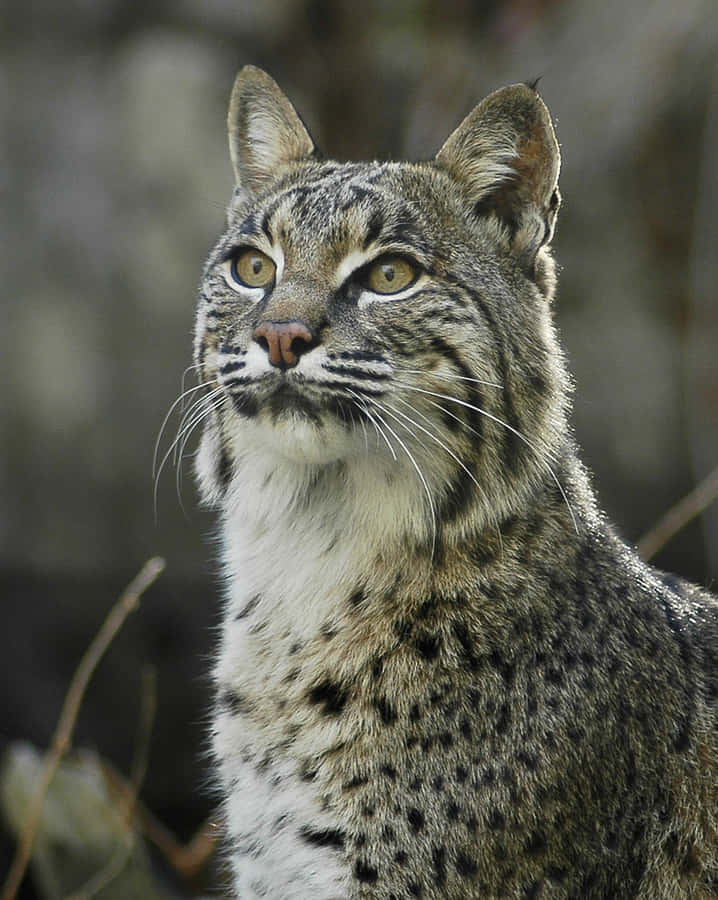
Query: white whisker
[
  {"x": 196, "y": 414},
  {"x": 363, "y": 406},
  {"x": 542, "y": 455},
  {"x": 444, "y": 447},
  {"x": 189, "y": 414},
  {"x": 192, "y": 368},
  {"x": 167, "y": 418},
  {"x": 416, "y": 466},
  {"x": 452, "y": 377}
]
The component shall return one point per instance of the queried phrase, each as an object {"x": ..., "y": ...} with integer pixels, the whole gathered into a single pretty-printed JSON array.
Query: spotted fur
[{"x": 441, "y": 674}]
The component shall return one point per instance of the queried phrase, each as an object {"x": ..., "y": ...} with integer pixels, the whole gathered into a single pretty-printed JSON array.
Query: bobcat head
[{"x": 392, "y": 315}]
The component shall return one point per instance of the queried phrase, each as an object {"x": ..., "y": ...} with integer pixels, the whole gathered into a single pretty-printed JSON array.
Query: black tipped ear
[
  {"x": 265, "y": 131},
  {"x": 506, "y": 158}
]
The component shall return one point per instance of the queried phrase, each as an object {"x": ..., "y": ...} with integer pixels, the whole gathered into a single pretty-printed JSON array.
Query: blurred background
[{"x": 114, "y": 174}]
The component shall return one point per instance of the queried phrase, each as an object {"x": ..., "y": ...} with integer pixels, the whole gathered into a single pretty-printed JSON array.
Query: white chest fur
[{"x": 295, "y": 554}]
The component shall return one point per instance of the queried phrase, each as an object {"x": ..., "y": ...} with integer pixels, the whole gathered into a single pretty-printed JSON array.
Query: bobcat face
[
  {"x": 394, "y": 311},
  {"x": 302, "y": 347}
]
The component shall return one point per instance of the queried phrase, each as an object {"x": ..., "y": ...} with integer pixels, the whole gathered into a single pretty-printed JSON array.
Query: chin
[{"x": 298, "y": 438}]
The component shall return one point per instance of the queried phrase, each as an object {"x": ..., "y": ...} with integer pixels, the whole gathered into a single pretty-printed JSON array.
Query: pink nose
[{"x": 284, "y": 342}]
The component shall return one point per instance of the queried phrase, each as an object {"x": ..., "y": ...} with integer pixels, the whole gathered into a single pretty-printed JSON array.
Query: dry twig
[
  {"x": 61, "y": 740},
  {"x": 678, "y": 516},
  {"x": 187, "y": 860},
  {"x": 119, "y": 859}
]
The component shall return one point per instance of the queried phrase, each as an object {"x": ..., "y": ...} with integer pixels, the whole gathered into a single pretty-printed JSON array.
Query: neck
[{"x": 330, "y": 526}]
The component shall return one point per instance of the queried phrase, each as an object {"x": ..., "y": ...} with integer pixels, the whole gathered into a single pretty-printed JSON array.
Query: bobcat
[{"x": 441, "y": 674}]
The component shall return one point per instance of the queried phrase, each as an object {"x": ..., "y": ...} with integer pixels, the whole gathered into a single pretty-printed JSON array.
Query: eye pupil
[
  {"x": 252, "y": 268},
  {"x": 391, "y": 274}
]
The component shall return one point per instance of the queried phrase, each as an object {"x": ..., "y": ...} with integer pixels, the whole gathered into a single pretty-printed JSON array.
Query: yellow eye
[
  {"x": 391, "y": 274},
  {"x": 252, "y": 268}
]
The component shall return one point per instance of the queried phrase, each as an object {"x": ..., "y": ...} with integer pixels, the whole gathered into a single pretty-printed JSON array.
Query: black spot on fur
[
  {"x": 556, "y": 873},
  {"x": 330, "y": 695},
  {"x": 234, "y": 702},
  {"x": 465, "y": 865},
  {"x": 536, "y": 844},
  {"x": 402, "y": 629},
  {"x": 307, "y": 772},
  {"x": 506, "y": 669},
  {"x": 527, "y": 759},
  {"x": 357, "y": 781},
  {"x": 416, "y": 819},
  {"x": 249, "y": 607},
  {"x": 326, "y": 837},
  {"x": 385, "y": 710},
  {"x": 461, "y": 631},
  {"x": 438, "y": 857},
  {"x": 365, "y": 872},
  {"x": 388, "y": 834},
  {"x": 427, "y": 645}
]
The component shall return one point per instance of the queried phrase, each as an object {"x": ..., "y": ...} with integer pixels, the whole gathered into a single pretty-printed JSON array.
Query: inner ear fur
[
  {"x": 505, "y": 156},
  {"x": 265, "y": 131}
]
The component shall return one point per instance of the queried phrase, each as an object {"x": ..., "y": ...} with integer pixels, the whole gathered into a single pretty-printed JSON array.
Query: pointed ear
[
  {"x": 265, "y": 131},
  {"x": 506, "y": 158}
]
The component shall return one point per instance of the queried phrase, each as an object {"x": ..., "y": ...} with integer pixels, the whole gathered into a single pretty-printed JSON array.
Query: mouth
[
  {"x": 293, "y": 401},
  {"x": 287, "y": 400}
]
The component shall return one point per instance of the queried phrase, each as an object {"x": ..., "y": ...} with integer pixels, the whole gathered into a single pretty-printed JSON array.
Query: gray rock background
[{"x": 113, "y": 178}]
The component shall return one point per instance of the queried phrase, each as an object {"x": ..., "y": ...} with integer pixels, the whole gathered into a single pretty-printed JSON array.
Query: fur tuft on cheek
[
  {"x": 212, "y": 467},
  {"x": 545, "y": 273}
]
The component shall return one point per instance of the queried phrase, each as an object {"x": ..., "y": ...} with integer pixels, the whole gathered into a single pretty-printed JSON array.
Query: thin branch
[
  {"x": 187, "y": 860},
  {"x": 61, "y": 740},
  {"x": 148, "y": 711},
  {"x": 678, "y": 516},
  {"x": 119, "y": 859}
]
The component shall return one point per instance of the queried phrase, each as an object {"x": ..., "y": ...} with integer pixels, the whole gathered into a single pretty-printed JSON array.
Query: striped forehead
[{"x": 344, "y": 206}]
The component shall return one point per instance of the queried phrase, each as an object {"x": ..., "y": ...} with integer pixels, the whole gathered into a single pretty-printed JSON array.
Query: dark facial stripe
[
  {"x": 473, "y": 390},
  {"x": 230, "y": 367},
  {"x": 513, "y": 448},
  {"x": 353, "y": 372},
  {"x": 459, "y": 497},
  {"x": 374, "y": 227},
  {"x": 224, "y": 467},
  {"x": 244, "y": 405}
]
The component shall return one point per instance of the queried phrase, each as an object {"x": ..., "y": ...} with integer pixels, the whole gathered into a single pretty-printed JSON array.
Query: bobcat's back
[{"x": 441, "y": 674}]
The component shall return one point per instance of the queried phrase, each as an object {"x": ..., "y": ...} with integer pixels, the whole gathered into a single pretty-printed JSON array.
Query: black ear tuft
[{"x": 533, "y": 83}]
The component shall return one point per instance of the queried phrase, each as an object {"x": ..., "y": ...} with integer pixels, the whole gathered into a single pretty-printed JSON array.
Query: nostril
[
  {"x": 300, "y": 345},
  {"x": 284, "y": 342}
]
